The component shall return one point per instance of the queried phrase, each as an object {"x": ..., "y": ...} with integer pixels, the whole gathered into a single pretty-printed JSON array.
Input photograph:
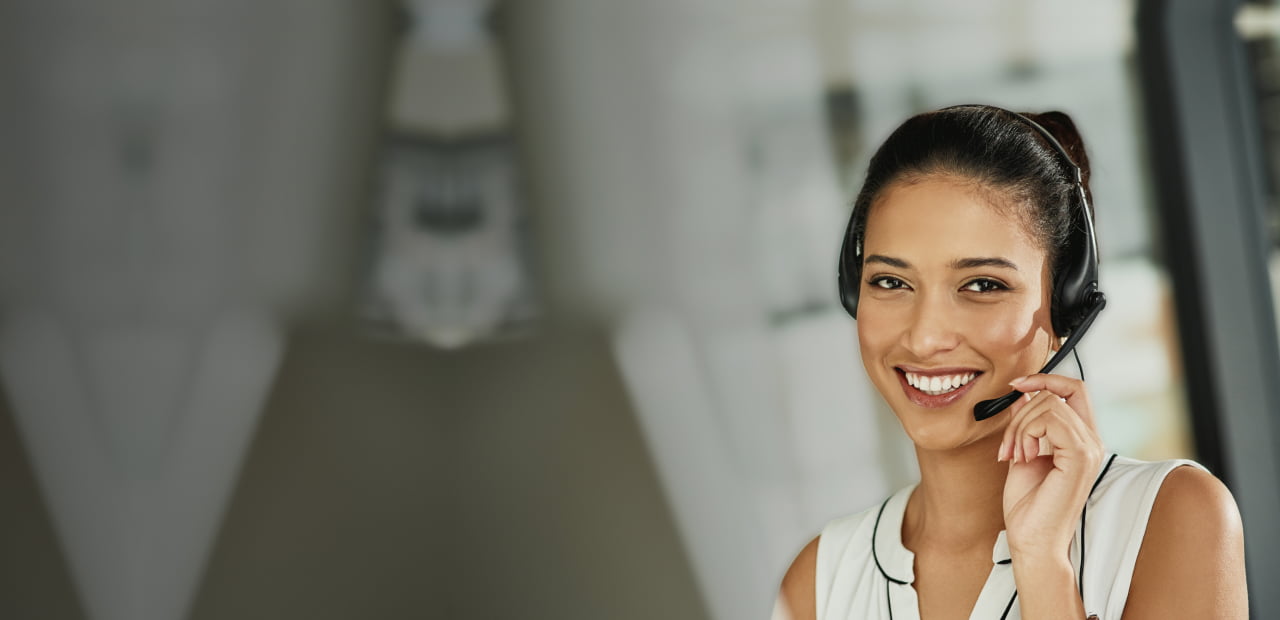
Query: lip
[
  {"x": 938, "y": 372},
  {"x": 928, "y": 401}
]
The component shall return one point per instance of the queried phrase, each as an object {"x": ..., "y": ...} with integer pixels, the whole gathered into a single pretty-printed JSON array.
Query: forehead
[{"x": 942, "y": 218}]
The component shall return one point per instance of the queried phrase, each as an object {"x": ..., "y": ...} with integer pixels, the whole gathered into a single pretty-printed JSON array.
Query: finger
[
  {"x": 1037, "y": 432},
  {"x": 1011, "y": 446},
  {"x": 1071, "y": 389},
  {"x": 1030, "y": 432},
  {"x": 1007, "y": 446},
  {"x": 1074, "y": 395},
  {"x": 1063, "y": 430},
  {"x": 1018, "y": 450},
  {"x": 1072, "y": 450}
]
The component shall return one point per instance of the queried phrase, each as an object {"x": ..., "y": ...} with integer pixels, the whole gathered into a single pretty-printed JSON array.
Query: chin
[{"x": 937, "y": 431}]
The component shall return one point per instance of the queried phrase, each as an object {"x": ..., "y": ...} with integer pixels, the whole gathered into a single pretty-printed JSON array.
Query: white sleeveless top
[{"x": 864, "y": 572}]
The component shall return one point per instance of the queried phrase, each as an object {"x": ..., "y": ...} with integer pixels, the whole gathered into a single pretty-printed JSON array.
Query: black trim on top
[
  {"x": 1009, "y": 607},
  {"x": 1084, "y": 513},
  {"x": 875, "y": 530},
  {"x": 888, "y": 600}
]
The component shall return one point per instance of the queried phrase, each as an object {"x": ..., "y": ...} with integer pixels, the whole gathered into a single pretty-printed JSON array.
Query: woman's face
[{"x": 954, "y": 304}]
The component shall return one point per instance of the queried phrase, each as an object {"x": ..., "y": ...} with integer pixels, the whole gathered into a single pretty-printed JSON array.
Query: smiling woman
[
  {"x": 931, "y": 287},
  {"x": 969, "y": 263}
]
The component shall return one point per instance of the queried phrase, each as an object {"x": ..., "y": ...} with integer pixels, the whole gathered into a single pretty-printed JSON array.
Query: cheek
[
  {"x": 1014, "y": 330},
  {"x": 876, "y": 329},
  {"x": 878, "y": 334},
  {"x": 1006, "y": 328}
]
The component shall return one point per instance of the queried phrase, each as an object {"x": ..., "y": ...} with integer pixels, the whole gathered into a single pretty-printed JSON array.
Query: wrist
[
  {"x": 1041, "y": 548},
  {"x": 1047, "y": 587},
  {"x": 1047, "y": 565}
]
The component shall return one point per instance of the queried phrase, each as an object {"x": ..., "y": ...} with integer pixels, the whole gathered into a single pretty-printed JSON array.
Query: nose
[{"x": 932, "y": 327}]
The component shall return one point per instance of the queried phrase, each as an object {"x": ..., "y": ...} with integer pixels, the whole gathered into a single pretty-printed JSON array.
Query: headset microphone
[{"x": 988, "y": 408}]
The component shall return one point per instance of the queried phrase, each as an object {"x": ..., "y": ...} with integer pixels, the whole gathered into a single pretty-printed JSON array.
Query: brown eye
[
  {"x": 984, "y": 285},
  {"x": 887, "y": 282}
]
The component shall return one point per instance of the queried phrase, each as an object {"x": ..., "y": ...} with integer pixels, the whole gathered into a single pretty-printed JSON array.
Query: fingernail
[{"x": 1015, "y": 382}]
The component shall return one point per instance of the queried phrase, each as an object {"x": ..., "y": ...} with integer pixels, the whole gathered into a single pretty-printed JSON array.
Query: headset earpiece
[
  {"x": 850, "y": 278},
  {"x": 1075, "y": 282}
]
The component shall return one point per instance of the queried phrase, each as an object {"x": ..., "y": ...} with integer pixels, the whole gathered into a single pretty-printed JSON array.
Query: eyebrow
[
  {"x": 985, "y": 261},
  {"x": 888, "y": 260},
  {"x": 959, "y": 263}
]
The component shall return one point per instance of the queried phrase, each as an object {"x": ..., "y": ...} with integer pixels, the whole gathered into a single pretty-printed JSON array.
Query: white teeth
[{"x": 941, "y": 384}]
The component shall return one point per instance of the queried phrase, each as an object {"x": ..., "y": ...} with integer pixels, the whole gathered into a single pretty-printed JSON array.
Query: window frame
[{"x": 1206, "y": 155}]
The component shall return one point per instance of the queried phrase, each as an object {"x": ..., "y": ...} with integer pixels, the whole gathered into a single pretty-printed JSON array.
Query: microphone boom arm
[{"x": 989, "y": 408}]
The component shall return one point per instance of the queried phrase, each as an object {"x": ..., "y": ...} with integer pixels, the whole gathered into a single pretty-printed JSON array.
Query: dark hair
[{"x": 996, "y": 150}]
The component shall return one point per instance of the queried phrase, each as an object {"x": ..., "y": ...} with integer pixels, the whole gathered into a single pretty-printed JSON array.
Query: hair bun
[{"x": 1063, "y": 129}]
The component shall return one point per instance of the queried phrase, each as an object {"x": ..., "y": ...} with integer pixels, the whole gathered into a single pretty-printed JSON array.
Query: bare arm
[
  {"x": 797, "y": 597},
  {"x": 1191, "y": 564}
]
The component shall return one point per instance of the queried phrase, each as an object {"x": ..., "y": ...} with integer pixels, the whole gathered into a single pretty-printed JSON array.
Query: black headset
[{"x": 1076, "y": 298}]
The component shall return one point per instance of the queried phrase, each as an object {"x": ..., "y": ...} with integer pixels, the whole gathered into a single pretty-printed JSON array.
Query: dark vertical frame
[{"x": 1205, "y": 143}]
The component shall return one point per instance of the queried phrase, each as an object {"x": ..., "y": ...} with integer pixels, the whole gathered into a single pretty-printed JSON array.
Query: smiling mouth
[{"x": 937, "y": 385}]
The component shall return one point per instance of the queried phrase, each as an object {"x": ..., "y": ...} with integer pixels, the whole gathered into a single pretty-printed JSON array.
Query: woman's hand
[{"x": 1054, "y": 452}]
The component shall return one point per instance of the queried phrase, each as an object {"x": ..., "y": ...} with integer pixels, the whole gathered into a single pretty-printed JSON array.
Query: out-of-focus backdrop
[{"x": 526, "y": 308}]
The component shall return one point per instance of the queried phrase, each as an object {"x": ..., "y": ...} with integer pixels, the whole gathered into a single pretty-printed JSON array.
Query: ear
[{"x": 1054, "y": 346}]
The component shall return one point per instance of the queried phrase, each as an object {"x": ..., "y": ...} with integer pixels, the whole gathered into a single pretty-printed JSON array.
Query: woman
[{"x": 969, "y": 260}]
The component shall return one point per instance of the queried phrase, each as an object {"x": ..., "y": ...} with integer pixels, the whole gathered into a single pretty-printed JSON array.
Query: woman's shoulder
[
  {"x": 1180, "y": 495},
  {"x": 796, "y": 600},
  {"x": 1132, "y": 495},
  {"x": 1167, "y": 490},
  {"x": 1193, "y": 501},
  {"x": 844, "y": 539},
  {"x": 1125, "y": 465},
  {"x": 848, "y": 537},
  {"x": 1193, "y": 493},
  {"x": 1145, "y": 519},
  {"x": 1124, "y": 500},
  {"x": 847, "y": 526},
  {"x": 1194, "y": 545},
  {"x": 1135, "y": 480}
]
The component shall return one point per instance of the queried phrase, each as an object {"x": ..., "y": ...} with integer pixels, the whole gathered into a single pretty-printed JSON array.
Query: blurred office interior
[{"x": 526, "y": 308}]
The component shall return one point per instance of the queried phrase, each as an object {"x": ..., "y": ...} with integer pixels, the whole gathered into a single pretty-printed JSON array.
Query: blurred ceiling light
[
  {"x": 448, "y": 251},
  {"x": 1254, "y": 21}
]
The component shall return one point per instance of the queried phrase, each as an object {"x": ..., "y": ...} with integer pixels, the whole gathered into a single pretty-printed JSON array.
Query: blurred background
[{"x": 526, "y": 308}]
